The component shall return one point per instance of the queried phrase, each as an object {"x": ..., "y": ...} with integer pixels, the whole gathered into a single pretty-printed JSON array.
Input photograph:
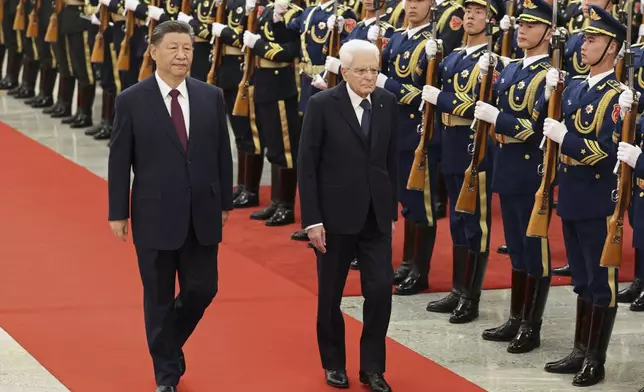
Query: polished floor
[{"x": 458, "y": 348}]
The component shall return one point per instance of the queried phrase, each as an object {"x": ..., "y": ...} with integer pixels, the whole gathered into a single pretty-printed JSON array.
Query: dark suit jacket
[
  {"x": 171, "y": 187},
  {"x": 340, "y": 171}
]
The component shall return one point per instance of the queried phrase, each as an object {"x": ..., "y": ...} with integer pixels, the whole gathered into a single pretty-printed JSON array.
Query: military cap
[
  {"x": 536, "y": 11},
  {"x": 497, "y": 6},
  {"x": 603, "y": 23}
]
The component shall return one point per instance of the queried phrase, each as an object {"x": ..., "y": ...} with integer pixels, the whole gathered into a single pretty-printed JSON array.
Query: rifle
[
  {"x": 508, "y": 36},
  {"x": 619, "y": 66},
  {"x": 540, "y": 215},
  {"x": 19, "y": 20},
  {"x": 98, "y": 51},
  {"x": 377, "y": 5},
  {"x": 147, "y": 64},
  {"x": 32, "y": 29},
  {"x": 242, "y": 101},
  {"x": 612, "y": 253},
  {"x": 51, "y": 36},
  {"x": 334, "y": 47},
  {"x": 417, "y": 175},
  {"x": 466, "y": 202},
  {"x": 186, "y": 7},
  {"x": 1, "y": 11},
  {"x": 123, "y": 62},
  {"x": 216, "y": 46}
]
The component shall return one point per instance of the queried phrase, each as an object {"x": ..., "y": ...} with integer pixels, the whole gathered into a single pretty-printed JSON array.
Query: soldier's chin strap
[
  {"x": 604, "y": 53},
  {"x": 541, "y": 40}
]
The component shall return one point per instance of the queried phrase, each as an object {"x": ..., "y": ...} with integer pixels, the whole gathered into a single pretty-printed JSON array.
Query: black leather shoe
[
  {"x": 266, "y": 213},
  {"x": 503, "y": 249},
  {"x": 638, "y": 304},
  {"x": 508, "y": 330},
  {"x": 64, "y": 111},
  {"x": 355, "y": 265},
  {"x": 182, "y": 364},
  {"x": 246, "y": 199},
  {"x": 413, "y": 284},
  {"x": 300, "y": 236},
  {"x": 440, "y": 210},
  {"x": 562, "y": 271},
  {"x": 403, "y": 271},
  {"x": 70, "y": 120},
  {"x": 336, "y": 378},
  {"x": 283, "y": 216},
  {"x": 44, "y": 102},
  {"x": 376, "y": 381},
  {"x": 32, "y": 100},
  {"x": 166, "y": 388},
  {"x": 83, "y": 121},
  {"x": 104, "y": 134},
  {"x": 52, "y": 109},
  {"x": 25, "y": 93},
  {"x": 95, "y": 129}
]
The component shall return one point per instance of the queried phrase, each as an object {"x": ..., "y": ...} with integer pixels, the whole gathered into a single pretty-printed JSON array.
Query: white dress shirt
[
  {"x": 532, "y": 59},
  {"x": 183, "y": 99},
  {"x": 356, "y": 100},
  {"x": 412, "y": 32},
  {"x": 597, "y": 78}
]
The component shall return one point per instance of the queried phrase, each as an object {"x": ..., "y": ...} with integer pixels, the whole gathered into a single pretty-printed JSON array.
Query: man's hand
[
  {"x": 317, "y": 236},
  {"x": 119, "y": 228},
  {"x": 224, "y": 217}
]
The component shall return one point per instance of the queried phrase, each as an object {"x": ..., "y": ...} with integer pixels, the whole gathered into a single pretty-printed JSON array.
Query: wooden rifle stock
[
  {"x": 216, "y": 47},
  {"x": 619, "y": 69},
  {"x": 466, "y": 202},
  {"x": 32, "y": 29},
  {"x": 51, "y": 36},
  {"x": 508, "y": 36},
  {"x": 147, "y": 64},
  {"x": 19, "y": 20},
  {"x": 98, "y": 51},
  {"x": 612, "y": 253},
  {"x": 186, "y": 7},
  {"x": 334, "y": 49},
  {"x": 123, "y": 62},
  {"x": 1, "y": 11},
  {"x": 242, "y": 101}
]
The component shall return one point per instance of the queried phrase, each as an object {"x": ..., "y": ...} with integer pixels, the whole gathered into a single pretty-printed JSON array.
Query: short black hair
[{"x": 170, "y": 26}]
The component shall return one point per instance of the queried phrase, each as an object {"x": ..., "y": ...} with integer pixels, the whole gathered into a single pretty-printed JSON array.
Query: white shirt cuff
[{"x": 312, "y": 226}]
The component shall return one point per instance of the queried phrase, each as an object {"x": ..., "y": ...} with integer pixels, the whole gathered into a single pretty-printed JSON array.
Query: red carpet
[{"x": 71, "y": 295}]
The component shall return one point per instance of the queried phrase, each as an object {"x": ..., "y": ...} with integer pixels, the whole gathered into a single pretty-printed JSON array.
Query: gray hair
[
  {"x": 349, "y": 50},
  {"x": 170, "y": 26}
]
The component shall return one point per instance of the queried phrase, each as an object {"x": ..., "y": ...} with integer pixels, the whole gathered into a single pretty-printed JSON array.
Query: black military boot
[
  {"x": 508, "y": 330},
  {"x": 529, "y": 336},
  {"x": 108, "y": 117},
  {"x": 79, "y": 107},
  {"x": 269, "y": 211},
  {"x": 632, "y": 292},
  {"x": 285, "y": 213},
  {"x": 15, "y": 72},
  {"x": 59, "y": 97},
  {"x": 573, "y": 362},
  {"x": 468, "y": 305},
  {"x": 29, "y": 76},
  {"x": 48, "y": 81},
  {"x": 241, "y": 171},
  {"x": 408, "y": 253},
  {"x": 440, "y": 202},
  {"x": 638, "y": 304},
  {"x": 448, "y": 303},
  {"x": 418, "y": 278},
  {"x": 84, "y": 120},
  {"x": 41, "y": 89},
  {"x": 98, "y": 128},
  {"x": 249, "y": 196},
  {"x": 601, "y": 329},
  {"x": 562, "y": 271},
  {"x": 10, "y": 80},
  {"x": 66, "y": 95}
]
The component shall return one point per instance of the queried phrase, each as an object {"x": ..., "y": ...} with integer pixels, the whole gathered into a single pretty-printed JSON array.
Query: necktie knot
[
  {"x": 174, "y": 93},
  {"x": 366, "y": 105}
]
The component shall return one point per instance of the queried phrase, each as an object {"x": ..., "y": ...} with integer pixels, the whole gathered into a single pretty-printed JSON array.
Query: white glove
[
  {"x": 184, "y": 18},
  {"x": 217, "y": 28},
  {"x": 319, "y": 83},
  {"x": 431, "y": 48},
  {"x": 628, "y": 153},
  {"x": 250, "y": 4},
  {"x": 155, "y": 12},
  {"x": 554, "y": 130},
  {"x": 333, "y": 21},
  {"x": 505, "y": 23},
  {"x": 626, "y": 100},
  {"x": 250, "y": 39},
  {"x": 95, "y": 20},
  {"x": 484, "y": 63},
  {"x": 131, "y": 5},
  {"x": 641, "y": 32},
  {"x": 486, "y": 112},
  {"x": 332, "y": 64},
  {"x": 373, "y": 32},
  {"x": 380, "y": 82},
  {"x": 280, "y": 8},
  {"x": 105, "y": 2},
  {"x": 552, "y": 78},
  {"x": 430, "y": 94}
]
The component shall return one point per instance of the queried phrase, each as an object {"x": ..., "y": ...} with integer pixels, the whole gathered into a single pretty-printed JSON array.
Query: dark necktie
[
  {"x": 177, "y": 118},
  {"x": 365, "y": 124}
]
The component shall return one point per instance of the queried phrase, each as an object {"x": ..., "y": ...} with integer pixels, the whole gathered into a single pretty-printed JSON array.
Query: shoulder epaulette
[
  {"x": 427, "y": 34},
  {"x": 637, "y": 45},
  {"x": 575, "y": 31},
  {"x": 571, "y": 2},
  {"x": 400, "y": 29},
  {"x": 580, "y": 77},
  {"x": 616, "y": 85},
  {"x": 460, "y": 49},
  {"x": 515, "y": 60},
  {"x": 386, "y": 25},
  {"x": 545, "y": 65}
]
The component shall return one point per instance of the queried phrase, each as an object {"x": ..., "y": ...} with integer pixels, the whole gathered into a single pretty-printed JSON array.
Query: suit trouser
[
  {"x": 584, "y": 241},
  {"x": 373, "y": 249},
  {"x": 170, "y": 320},
  {"x": 471, "y": 230},
  {"x": 418, "y": 206},
  {"x": 528, "y": 254}
]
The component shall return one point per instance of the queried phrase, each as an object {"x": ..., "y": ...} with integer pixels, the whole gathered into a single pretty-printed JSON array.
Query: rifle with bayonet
[
  {"x": 623, "y": 16},
  {"x": 417, "y": 176},
  {"x": 19, "y": 19},
  {"x": 32, "y": 29},
  {"x": 147, "y": 64},
  {"x": 242, "y": 101},
  {"x": 612, "y": 252},
  {"x": 51, "y": 36},
  {"x": 540, "y": 216},
  {"x": 466, "y": 202},
  {"x": 216, "y": 46},
  {"x": 98, "y": 51},
  {"x": 123, "y": 62},
  {"x": 334, "y": 46},
  {"x": 508, "y": 36}
]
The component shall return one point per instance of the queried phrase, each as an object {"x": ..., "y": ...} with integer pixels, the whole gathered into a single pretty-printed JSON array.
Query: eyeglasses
[{"x": 364, "y": 71}]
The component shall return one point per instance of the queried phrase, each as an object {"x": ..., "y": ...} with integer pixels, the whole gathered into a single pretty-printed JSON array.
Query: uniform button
[
  {"x": 471, "y": 136},
  {"x": 412, "y": 115},
  {"x": 641, "y": 194},
  {"x": 597, "y": 176},
  {"x": 565, "y": 169},
  {"x": 527, "y": 156},
  {"x": 501, "y": 110},
  {"x": 506, "y": 93},
  {"x": 277, "y": 72},
  {"x": 449, "y": 80}
]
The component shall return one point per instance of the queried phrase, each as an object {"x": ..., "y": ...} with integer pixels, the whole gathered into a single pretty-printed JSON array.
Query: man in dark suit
[
  {"x": 348, "y": 176},
  {"x": 172, "y": 131}
]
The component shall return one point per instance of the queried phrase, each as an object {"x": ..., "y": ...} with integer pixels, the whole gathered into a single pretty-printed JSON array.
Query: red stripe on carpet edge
[{"x": 73, "y": 298}]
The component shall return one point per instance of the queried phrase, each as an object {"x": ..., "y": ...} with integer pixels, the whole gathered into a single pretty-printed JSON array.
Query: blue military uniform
[
  {"x": 519, "y": 94},
  {"x": 395, "y": 13},
  {"x": 591, "y": 114},
  {"x": 362, "y": 28}
]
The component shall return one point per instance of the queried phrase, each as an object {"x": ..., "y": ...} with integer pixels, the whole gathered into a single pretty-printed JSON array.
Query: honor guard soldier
[
  {"x": 591, "y": 113},
  {"x": 273, "y": 98},
  {"x": 458, "y": 76},
  {"x": 400, "y": 60},
  {"x": 129, "y": 36},
  {"x": 229, "y": 73},
  {"x": 506, "y": 22},
  {"x": 518, "y": 114},
  {"x": 13, "y": 43},
  {"x": 574, "y": 16},
  {"x": 30, "y": 60},
  {"x": 203, "y": 13},
  {"x": 75, "y": 25}
]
